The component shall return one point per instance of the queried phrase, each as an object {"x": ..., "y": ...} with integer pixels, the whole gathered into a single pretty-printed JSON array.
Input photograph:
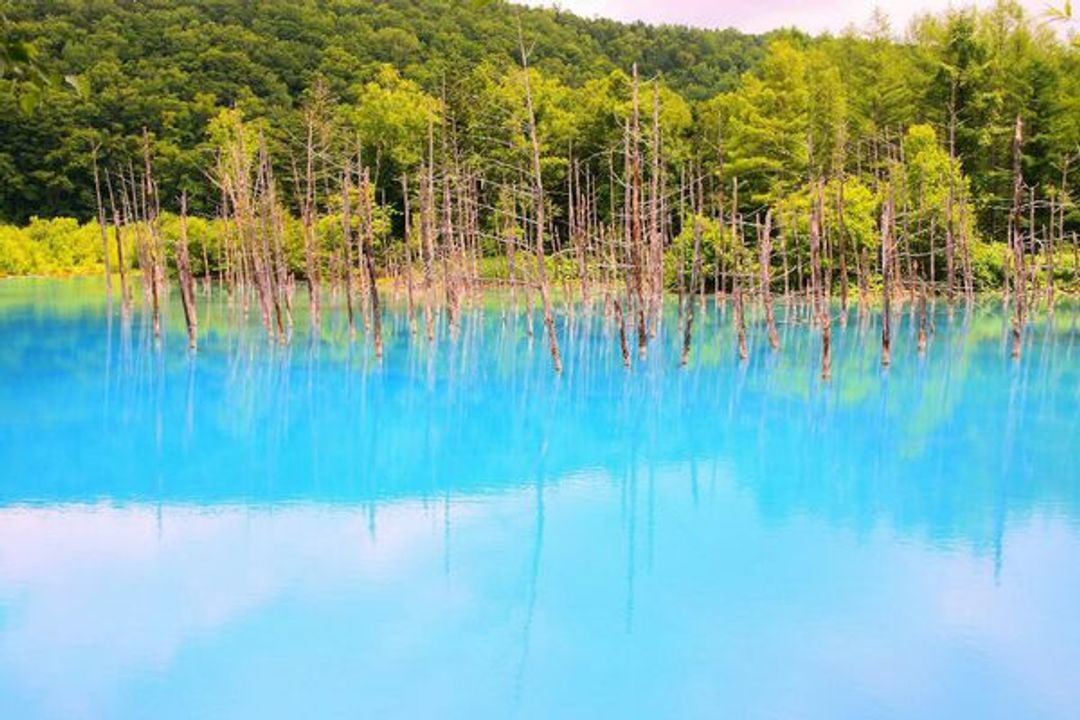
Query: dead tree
[
  {"x": 307, "y": 214},
  {"x": 656, "y": 236},
  {"x": 737, "y": 281},
  {"x": 922, "y": 338},
  {"x": 826, "y": 344},
  {"x": 694, "y": 273},
  {"x": 538, "y": 200},
  {"x": 887, "y": 213},
  {"x": 102, "y": 227},
  {"x": 410, "y": 307},
  {"x": 816, "y": 282},
  {"x": 124, "y": 298},
  {"x": 620, "y": 320},
  {"x": 187, "y": 283},
  {"x": 347, "y": 246},
  {"x": 1016, "y": 239},
  {"x": 740, "y": 320},
  {"x": 635, "y": 239},
  {"x": 153, "y": 269},
  {"x": 765, "y": 247},
  {"x": 368, "y": 230},
  {"x": 427, "y": 231}
]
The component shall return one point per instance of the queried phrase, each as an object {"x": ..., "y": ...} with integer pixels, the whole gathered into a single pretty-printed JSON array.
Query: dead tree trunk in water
[
  {"x": 969, "y": 272},
  {"x": 734, "y": 230},
  {"x": 311, "y": 252},
  {"x": 538, "y": 197},
  {"x": 410, "y": 304},
  {"x": 740, "y": 320},
  {"x": 346, "y": 236},
  {"x": 119, "y": 242},
  {"x": 187, "y": 283},
  {"x": 656, "y": 237},
  {"x": 697, "y": 209},
  {"x": 738, "y": 317},
  {"x": 886, "y": 276},
  {"x": 150, "y": 207},
  {"x": 450, "y": 293},
  {"x": 624, "y": 348},
  {"x": 1017, "y": 241},
  {"x": 102, "y": 226},
  {"x": 1063, "y": 198},
  {"x": 826, "y": 345},
  {"x": 427, "y": 232},
  {"x": 921, "y": 345},
  {"x": 816, "y": 281},
  {"x": 635, "y": 220},
  {"x": 841, "y": 238},
  {"x": 765, "y": 244},
  {"x": 369, "y": 260}
]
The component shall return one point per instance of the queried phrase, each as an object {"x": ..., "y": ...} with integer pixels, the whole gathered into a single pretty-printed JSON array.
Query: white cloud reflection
[{"x": 593, "y": 602}]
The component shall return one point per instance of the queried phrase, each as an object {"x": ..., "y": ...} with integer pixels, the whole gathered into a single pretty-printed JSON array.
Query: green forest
[{"x": 961, "y": 132}]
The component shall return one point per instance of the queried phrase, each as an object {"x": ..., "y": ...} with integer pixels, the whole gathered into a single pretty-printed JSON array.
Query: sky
[{"x": 761, "y": 15}]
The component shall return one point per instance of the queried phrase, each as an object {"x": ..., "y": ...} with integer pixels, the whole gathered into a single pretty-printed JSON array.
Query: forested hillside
[
  {"x": 967, "y": 124},
  {"x": 170, "y": 65}
]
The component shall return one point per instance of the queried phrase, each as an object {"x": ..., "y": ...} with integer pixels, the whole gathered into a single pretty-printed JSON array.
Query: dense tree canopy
[
  {"x": 170, "y": 64},
  {"x": 791, "y": 120}
]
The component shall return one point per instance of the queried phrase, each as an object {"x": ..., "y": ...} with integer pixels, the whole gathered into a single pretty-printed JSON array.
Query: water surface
[{"x": 302, "y": 531}]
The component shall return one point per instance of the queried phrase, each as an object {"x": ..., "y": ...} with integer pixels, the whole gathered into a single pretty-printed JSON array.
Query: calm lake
[{"x": 279, "y": 532}]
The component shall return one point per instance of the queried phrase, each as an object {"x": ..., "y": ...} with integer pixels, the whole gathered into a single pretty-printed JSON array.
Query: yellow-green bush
[{"x": 50, "y": 247}]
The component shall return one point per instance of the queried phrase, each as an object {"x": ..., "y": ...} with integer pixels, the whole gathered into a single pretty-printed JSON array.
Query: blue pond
[{"x": 258, "y": 531}]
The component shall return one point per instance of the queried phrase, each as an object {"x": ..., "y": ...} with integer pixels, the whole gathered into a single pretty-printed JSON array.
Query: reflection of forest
[{"x": 950, "y": 446}]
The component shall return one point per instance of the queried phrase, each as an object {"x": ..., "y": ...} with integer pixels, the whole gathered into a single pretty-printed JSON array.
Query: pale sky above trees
[{"x": 762, "y": 15}]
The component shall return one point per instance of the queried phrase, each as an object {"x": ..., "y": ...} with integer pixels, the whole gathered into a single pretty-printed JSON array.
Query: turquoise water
[{"x": 268, "y": 532}]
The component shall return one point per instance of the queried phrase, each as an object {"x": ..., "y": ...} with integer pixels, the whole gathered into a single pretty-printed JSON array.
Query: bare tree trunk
[
  {"x": 102, "y": 227},
  {"x": 950, "y": 233},
  {"x": 1017, "y": 241},
  {"x": 187, "y": 284},
  {"x": 346, "y": 236},
  {"x": 656, "y": 274},
  {"x": 538, "y": 194},
  {"x": 154, "y": 253},
  {"x": 620, "y": 320},
  {"x": 448, "y": 243},
  {"x": 427, "y": 234},
  {"x": 921, "y": 345},
  {"x": 410, "y": 304},
  {"x": 740, "y": 321},
  {"x": 842, "y": 250},
  {"x": 635, "y": 220},
  {"x": 765, "y": 244},
  {"x": 124, "y": 298},
  {"x": 369, "y": 260},
  {"x": 826, "y": 345},
  {"x": 816, "y": 283},
  {"x": 694, "y": 273},
  {"x": 311, "y": 253},
  {"x": 969, "y": 271},
  {"x": 886, "y": 278}
]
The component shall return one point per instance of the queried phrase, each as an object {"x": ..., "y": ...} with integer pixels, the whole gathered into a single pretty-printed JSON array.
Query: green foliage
[
  {"x": 50, "y": 247},
  {"x": 765, "y": 124},
  {"x": 170, "y": 66},
  {"x": 392, "y": 114},
  {"x": 988, "y": 264},
  {"x": 719, "y": 249},
  {"x": 928, "y": 119}
]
